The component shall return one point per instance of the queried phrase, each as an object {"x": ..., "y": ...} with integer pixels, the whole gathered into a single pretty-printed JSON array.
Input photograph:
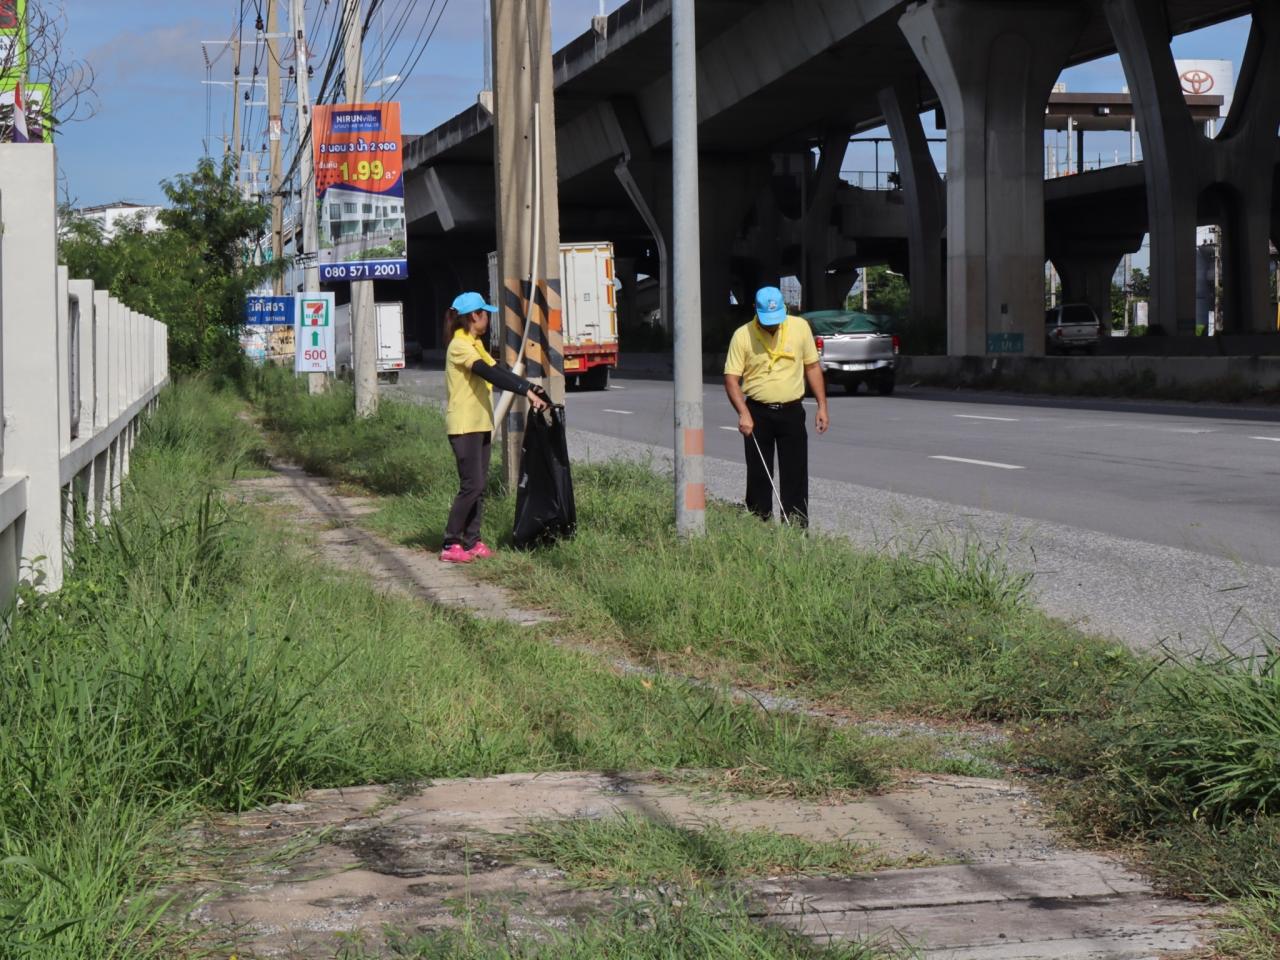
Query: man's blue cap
[
  {"x": 770, "y": 307},
  {"x": 471, "y": 302}
]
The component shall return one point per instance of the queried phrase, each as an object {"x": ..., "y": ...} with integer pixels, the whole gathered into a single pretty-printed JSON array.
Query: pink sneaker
[
  {"x": 480, "y": 551},
  {"x": 454, "y": 554}
]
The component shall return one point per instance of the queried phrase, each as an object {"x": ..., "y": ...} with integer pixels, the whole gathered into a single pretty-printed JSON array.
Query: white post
[
  {"x": 689, "y": 439},
  {"x": 30, "y": 304},
  {"x": 82, "y": 293},
  {"x": 101, "y": 359},
  {"x": 64, "y": 359}
]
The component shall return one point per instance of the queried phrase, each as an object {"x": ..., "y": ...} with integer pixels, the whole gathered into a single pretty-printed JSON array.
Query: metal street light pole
[{"x": 690, "y": 438}]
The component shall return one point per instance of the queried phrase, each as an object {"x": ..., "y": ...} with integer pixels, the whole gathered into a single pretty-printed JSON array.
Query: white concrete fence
[{"x": 78, "y": 370}]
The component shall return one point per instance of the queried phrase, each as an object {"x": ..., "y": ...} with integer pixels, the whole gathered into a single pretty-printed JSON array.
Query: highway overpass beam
[
  {"x": 926, "y": 214},
  {"x": 993, "y": 64}
]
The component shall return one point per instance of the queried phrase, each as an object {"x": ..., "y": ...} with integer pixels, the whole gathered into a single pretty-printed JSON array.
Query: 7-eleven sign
[{"x": 313, "y": 334}]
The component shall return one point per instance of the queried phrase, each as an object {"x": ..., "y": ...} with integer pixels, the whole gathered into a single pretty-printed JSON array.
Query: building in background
[{"x": 110, "y": 215}]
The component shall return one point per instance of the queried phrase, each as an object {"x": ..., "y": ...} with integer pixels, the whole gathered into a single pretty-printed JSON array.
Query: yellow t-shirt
[
  {"x": 470, "y": 407},
  {"x": 771, "y": 365}
]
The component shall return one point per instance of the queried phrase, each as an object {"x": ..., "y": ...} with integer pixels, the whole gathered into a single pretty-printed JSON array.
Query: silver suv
[{"x": 1071, "y": 326}]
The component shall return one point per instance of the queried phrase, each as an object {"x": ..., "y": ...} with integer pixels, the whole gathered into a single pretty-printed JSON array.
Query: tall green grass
[{"x": 198, "y": 658}]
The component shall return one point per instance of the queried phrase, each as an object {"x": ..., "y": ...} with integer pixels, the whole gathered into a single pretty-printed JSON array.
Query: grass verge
[
  {"x": 631, "y": 850},
  {"x": 692, "y": 924},
  {"x": 1174, "y": 761},
  {"x": 198, "y": 659}
]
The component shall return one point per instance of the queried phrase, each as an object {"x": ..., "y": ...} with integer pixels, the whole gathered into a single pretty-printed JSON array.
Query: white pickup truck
[{"x": 856, "y": 348}]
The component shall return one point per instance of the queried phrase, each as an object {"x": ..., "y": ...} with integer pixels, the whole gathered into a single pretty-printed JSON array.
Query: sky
[{"x": 154, "y": 110}]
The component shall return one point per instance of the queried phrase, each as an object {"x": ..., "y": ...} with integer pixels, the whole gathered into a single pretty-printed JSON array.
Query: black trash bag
[{"x": 545, "y": 510}]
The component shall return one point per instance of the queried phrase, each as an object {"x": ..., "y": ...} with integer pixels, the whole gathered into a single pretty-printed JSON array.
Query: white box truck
[
  {"x": 589, "y": 311},
  {"x": 390, "y": 340}
]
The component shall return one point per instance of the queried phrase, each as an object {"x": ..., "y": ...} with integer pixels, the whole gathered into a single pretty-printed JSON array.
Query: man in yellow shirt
[{"x": 769, "y": 361}]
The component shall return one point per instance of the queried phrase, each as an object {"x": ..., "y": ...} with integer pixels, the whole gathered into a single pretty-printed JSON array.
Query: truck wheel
[
  {"x": 394, "y": 377},
  {"x": 597, "y": 378},
  {"x": 886, "y": 383}
]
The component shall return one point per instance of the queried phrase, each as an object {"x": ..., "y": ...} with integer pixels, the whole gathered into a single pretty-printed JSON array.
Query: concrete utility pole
[
  {"x": 528, "y": 294},
  {"x": 364, "y": 318},
  {"x": 316, "y": 382},
  {"x": 275, "y": 125},
  {"x": 691, "y": 498}
]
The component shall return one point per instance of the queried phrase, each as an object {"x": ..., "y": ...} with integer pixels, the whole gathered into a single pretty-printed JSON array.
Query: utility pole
[
  {"x": 528, "y": 293},
  {"x": 316, "y": 382},
  {"x": 691, "y": 497},
  {"x": 235, "y": 104},
  {"x": 275, "y": 128},
  {"x": 364, "y": 319}
]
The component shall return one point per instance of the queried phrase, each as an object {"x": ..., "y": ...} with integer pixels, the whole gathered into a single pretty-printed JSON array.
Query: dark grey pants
[{"x": 471, "y": 450}]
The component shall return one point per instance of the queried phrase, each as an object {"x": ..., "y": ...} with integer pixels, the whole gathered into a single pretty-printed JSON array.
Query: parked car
[
  {"x": 856, "y": 348},
  {"x": 1071, "y": 326}
]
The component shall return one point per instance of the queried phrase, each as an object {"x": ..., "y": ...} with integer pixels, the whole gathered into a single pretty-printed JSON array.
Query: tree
[
  {"x": 192, "y": 274},
  {"x": 888, "y": 295}
]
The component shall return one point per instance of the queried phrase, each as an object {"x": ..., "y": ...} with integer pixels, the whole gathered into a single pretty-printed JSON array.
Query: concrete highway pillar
[
  {"x": 1171, "y": 149},
  {"x": 925, "y": 194},
  {"x": 729, "y": 187},
  {"x": 993, "y": 64},
  {"x": 1087, "y": 278},
  {"x": 816, "y": 230},
  {"x": 1244, "y": 160}
]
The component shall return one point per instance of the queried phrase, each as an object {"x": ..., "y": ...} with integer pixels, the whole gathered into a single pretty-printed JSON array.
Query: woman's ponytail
[{"x": 453, "y": 322}]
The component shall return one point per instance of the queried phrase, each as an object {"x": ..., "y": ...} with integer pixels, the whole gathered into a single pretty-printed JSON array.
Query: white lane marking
[
  {"x": 615, "y": 387},
  {"x": 1272, "y": 439},
  {"x": 1189, "y": 430},
  {"x": 730, "y": 429},
  {"x": 974, "y": 416},
  {"x": 625, "y": 413},
  {"x": 980, "y": 463}
]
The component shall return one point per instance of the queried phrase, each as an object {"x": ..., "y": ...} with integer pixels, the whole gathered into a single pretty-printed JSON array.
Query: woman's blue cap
[{"x": 471, "y": 302}]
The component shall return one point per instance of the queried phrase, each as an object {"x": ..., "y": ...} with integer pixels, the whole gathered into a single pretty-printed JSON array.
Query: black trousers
[
  {"x": 779, "y": 428},
  {"x": 471, "y": 450}
]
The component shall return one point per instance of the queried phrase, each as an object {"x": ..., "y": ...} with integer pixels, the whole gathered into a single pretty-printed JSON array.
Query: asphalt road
[
  {"x": 1209, "y": 485},
  {"x": 1156, "y": 524}
]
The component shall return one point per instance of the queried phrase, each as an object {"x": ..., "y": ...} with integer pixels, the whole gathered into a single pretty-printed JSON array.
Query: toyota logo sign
[{"x": 1197, "y": 82}]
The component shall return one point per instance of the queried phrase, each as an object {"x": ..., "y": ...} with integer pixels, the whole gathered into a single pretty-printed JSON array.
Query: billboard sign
[
  {"x": 260, "y": 310},
  {"x": 313, "y": 334},
  {"x": 37, "y": 96},
  {"x": 13, "y": 39},
  {"x": 360, "y": 191}
]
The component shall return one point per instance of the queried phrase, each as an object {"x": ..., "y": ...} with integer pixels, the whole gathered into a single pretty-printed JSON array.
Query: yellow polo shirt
[
  {"x": 470, "y": 408},
  {"x": 771, "y": 365}
]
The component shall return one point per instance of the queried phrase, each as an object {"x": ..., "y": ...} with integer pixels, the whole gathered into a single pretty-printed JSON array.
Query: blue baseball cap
[
  {"x": 471, "y": 302},
  {"x": 770, "y": 307}
]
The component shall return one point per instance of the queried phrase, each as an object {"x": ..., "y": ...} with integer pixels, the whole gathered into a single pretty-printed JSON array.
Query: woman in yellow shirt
[{"x": 470, "y": 376}]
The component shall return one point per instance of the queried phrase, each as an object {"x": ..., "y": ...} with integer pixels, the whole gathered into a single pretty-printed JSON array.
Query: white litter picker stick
[{"x": 782, "y": 511}]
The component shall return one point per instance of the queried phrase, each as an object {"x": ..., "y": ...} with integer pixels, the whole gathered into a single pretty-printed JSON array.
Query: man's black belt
[{"x": 776, "y": 406}]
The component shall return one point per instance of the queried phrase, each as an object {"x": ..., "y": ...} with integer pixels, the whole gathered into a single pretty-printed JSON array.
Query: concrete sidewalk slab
[{"x": 375, "y": 859}]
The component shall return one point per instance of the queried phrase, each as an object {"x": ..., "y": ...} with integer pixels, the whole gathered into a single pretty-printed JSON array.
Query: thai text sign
[
  {"x": 259, "y": 310},
  {"x": 360, "y": 191}
]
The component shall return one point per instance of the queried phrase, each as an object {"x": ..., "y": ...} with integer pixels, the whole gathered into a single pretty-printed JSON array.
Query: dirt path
[{"x": 362, "y": 862}]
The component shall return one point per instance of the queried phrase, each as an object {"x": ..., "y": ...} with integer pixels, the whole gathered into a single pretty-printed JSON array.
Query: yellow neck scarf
[
  {"x": 778, "y": 351},
  {"x": 475, "y": 342}
]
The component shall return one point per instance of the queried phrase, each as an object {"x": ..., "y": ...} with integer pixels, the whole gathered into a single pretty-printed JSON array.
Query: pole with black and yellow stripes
[{"x": 528, "y": 209}]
